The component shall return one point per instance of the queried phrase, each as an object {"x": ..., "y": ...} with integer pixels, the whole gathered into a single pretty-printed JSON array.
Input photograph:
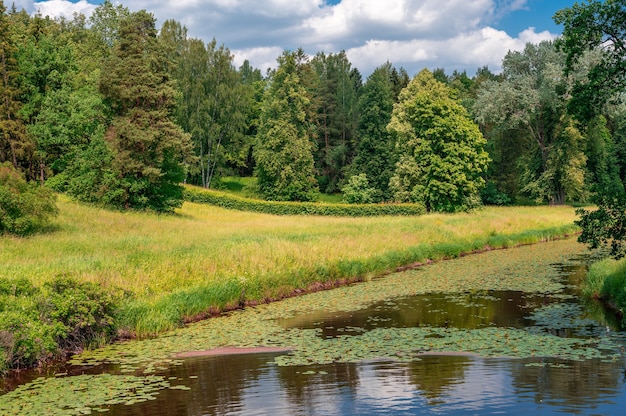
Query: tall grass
[
  {"x": 178, "y": 266},
  {"x": 607, "y": 280}
]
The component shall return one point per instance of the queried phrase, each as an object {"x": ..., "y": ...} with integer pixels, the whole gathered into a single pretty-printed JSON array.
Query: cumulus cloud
[
  {"x": 63, "y": 8},
  {"x": 468, "y": 51},
  {"x": 453, "y": 34}
]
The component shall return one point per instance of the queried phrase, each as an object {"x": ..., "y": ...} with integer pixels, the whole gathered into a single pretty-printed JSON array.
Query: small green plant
[{"x": 24, "y": 207}]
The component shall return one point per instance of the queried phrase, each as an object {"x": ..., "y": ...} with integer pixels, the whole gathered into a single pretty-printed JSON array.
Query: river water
[{"x": 436, "y": 384}]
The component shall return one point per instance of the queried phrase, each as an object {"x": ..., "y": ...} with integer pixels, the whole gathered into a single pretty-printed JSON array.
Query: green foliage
[
  {"x": 358, "y": 191},
  {"x": 595, "y": 25},
  {"x": 442, "y": 157},
  {"x": 602, "y": 164},
  {"x": 336, "y": 95},
  {"x": 375, "y": 151},
  {"x": 15, "y": 144},
  {"x": 64, "y": 315},
  {"x": 606, "y": 281},
  {"x": 229, "y": 201},
  {"x": 283, "y": 153},
  {"x": 491, "y": 195},
  {"x": 147, "y": 148},
  {"x": 606, "y": 226},
  {"x": 564, "y": 170},
  {"x": 24, "y": 207},
  {"x": 535, "y": 142}
]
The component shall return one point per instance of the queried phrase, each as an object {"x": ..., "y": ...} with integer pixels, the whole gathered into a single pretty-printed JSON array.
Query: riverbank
[
  {"x": 606, "y": 282},
  {"x": 164, "y": 270}
]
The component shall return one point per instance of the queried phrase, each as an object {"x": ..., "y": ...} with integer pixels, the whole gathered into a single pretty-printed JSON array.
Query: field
[{"x": 177, "y": 267}]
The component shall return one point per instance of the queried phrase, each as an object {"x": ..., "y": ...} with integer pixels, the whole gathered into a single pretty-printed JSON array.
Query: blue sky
[{"x": 453, "y": 34}]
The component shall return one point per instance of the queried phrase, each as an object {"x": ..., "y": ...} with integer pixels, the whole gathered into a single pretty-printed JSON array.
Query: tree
[
  {"x": 598, "y": 25},
  {"x": 337, "y": 117},
  {"x": 602, "y": 165},
  {"x": 284, "y": 149},
  {"x": 442, "y": 157},
  {"x": 526, "y": 112},
  {"x": 15, "y": 144},
  {"x": 147, "y": 148},
  {"x": 214, "y": 103},
  {"x": 591, "y": 26},
  {"x": 375, "y": 151},
  {"x": 24, "y": 207}
]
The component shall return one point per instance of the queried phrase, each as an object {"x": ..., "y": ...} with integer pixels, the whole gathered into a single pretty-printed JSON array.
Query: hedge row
[{"x": 228, "y": 201}]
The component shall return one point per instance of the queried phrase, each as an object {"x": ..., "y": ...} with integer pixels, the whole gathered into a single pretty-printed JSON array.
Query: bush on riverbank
[{"x": 37, "y": 324}]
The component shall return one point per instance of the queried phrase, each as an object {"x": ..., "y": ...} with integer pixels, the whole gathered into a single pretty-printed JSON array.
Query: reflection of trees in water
[
  {"x": 576, "y": 383},
  {"x": 219, "y": 388},
  {"x": 308, "y": 390},
  {"x": 433, "y": 375}
]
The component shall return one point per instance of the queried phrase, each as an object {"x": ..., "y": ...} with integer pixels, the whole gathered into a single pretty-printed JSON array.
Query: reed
[{"x": 206, "y": 258}]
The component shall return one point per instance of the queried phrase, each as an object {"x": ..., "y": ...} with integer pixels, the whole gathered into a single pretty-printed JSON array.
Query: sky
[{"x": 414, "y": 34}]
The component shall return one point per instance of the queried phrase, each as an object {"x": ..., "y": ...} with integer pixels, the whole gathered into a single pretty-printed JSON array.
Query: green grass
[
  {"x": 607, "y": 280},
  {"x": 175, "y": 267}
]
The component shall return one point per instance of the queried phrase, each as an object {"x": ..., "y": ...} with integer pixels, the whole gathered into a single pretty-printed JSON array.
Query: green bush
[
  {"x": 358, "y": 191},
  {"x": 228, "y": 201},
  {"x": 64, "y": 315},
  {"x": 24, "y": 207}
]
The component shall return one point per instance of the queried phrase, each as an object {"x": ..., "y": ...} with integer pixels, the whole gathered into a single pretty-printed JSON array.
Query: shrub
[
  {"x": 358, "y": 191},
  {"x": 229, "y": 201},
  {"x": 37, "y": 324},
  {"x": 24, "y": 207}
]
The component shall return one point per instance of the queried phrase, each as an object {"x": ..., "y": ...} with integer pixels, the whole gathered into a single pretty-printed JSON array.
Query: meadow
[{"x": 204, "y": 259}]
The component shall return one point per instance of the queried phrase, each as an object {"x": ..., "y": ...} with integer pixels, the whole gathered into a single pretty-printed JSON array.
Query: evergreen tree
[
  {"x": 337, "y": 118},
  {"x": 147, "y": 148},
  {"x": 375, "y": 152},
  {"x": 284, "y": 149},
  {"x": 15, "y": 144},
  {"x": 442, "y": 157}
]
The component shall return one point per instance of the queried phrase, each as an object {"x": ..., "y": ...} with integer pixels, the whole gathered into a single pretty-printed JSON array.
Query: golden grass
[{"x": 153, "y": 255}]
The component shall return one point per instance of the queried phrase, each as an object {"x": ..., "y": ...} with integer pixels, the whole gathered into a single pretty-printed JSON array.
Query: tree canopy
[
  {"x": 113, "y": 111},
  {"x": 441, "y": 149}
]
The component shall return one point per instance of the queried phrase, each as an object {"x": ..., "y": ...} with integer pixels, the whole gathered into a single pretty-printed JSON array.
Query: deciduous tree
[{"x": 442, "y": 157}]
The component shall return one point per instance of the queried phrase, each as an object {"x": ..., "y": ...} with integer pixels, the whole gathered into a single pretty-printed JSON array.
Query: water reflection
[
  {"x": 251, "y": 385},
  {"x": 465, "y": 310}
]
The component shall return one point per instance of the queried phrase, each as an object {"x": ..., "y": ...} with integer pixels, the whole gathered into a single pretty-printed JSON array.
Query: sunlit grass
[{"x": 181, "y": 265}]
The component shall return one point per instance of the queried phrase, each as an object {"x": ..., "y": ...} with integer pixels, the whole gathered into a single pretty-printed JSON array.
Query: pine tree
[
  {"x": 147, "y": 147},
  {"x": 375, "y": 152},
  {"x": 15, "y": 144}
]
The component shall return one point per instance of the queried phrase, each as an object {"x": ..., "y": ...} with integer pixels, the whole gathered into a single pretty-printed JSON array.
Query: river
[{"x": 475, "y": 371}]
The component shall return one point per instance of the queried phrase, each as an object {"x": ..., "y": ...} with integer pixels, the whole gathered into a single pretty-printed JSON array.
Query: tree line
[{"x": 110, "y": 110}]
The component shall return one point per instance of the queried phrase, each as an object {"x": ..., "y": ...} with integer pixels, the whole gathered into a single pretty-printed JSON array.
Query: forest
[{"x": 111, "y": 110}]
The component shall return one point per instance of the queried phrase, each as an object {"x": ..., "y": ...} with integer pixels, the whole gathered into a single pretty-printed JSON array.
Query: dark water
[{"x": 435, "y": 385}]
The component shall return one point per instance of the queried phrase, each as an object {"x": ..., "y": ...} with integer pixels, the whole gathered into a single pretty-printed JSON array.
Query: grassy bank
[
  {"x": 176, "y": 267},
  {"x": 606, "y": 281}
]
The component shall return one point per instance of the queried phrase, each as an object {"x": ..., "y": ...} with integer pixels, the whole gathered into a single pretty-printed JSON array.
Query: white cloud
[
  {"x": 63, "y": 8},
  {"x": 454, "y": 34},
  {"x": 261, "y": 58}
]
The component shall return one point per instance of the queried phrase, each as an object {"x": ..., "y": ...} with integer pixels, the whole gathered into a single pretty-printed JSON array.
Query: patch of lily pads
[
  {"x": 80, "y": 395},
  {"x": 526, "y": 269}
]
